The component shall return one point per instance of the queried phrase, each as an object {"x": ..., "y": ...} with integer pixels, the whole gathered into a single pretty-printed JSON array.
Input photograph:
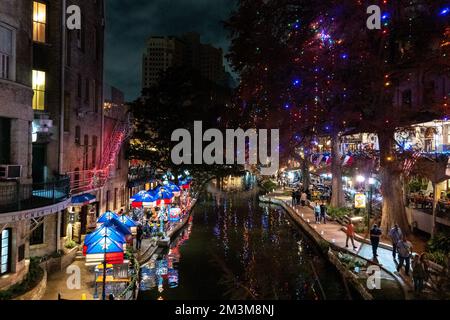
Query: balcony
[{"x": 17, "y": 197}]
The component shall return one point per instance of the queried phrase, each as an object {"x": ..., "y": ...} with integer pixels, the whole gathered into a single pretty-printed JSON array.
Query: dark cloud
[{"x": 129, "y": 23}]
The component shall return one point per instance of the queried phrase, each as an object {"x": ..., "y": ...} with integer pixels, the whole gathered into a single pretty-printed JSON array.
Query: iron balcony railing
[{"x": 18, "y": 197}]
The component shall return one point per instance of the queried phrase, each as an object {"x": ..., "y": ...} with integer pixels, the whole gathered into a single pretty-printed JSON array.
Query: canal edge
[{"x": 328, "y": 248}]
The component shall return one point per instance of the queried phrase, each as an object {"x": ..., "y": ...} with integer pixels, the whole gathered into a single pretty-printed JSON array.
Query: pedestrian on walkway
[
  {"x": 396, "y": 235},
  {"x": 303, "y": 199},
  {"x": 323, "y": 212},
  {"x": 293, "y": 197},
  {"x": 317, "y": 212},
  {"x": 404, "y": 248},
  {"x": 420, "y": 272},
  {"x": 297, "y": 196},
  {"x": 375, "y": 234},
  {"x": 139, "y": 235},
  {"x": 350, "y": 234}
]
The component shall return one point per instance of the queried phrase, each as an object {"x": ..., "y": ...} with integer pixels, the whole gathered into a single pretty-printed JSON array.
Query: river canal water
[{"x": 237, "y": 248}]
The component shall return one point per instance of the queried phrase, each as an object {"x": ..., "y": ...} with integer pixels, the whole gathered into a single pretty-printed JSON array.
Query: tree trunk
[
  {"x": 337, "y": 196},
  {"x": 393, "y": 209},
  {"x": 306, "y": 180}
]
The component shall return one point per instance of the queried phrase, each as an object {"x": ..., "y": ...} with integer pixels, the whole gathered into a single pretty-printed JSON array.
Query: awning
[{"x": 83, "y": 199}]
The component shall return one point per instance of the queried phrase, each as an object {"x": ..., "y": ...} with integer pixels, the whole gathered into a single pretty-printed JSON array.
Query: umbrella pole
[{"x": 104, "y": 271}]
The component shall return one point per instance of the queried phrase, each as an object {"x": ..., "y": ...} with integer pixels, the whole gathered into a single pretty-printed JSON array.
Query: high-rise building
[
  {"x": 161, "y": 53},
  {"x": 187, "y": 50}
]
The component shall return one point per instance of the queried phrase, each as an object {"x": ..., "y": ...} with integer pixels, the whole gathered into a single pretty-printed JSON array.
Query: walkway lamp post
[{"x": 371, "y": 184}]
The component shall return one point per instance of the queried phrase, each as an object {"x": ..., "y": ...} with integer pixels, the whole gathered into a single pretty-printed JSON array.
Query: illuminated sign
[{"x": 360, "y": 200}]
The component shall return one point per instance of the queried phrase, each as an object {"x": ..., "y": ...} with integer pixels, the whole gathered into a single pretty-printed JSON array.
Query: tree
[
  {"x": 181, "y": 97},
  {"x": 341, "y": 77}
]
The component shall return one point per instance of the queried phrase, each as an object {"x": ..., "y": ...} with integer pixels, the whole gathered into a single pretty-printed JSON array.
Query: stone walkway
[
  {"x": 335, "y": 233},
  {"x": 57, "y": 284}
]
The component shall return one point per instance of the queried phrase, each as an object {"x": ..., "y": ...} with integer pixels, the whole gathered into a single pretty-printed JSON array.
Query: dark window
[
  {"x": 94, "y": 151},
  {"x": 77, "y": 135},
  {"x": 21, "y": 253},
  {"x": 87, "y": 94},
  {"x": 86, "y": 152},
  {"x": 116, "y": 193},
  {"x": 80, "y": 85},
  {"x": 37, "y": 235},
  {"x": 122, "y": 197},
  {"x": 108, "y": 199},
  {"x": 67, "y": 112},
  {"x": 96, "y": 96},
  {"x": 63, "y": 231},
  {"x": 5, "y": 251},
  {"x": 5, "y": 140}
]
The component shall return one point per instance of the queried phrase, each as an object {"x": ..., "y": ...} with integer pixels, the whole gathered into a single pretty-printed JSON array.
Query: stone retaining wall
[{"x": 37, "y": 292}]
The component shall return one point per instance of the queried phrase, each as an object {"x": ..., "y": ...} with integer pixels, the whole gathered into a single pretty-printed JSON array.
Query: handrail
[{"x": 17, "y": 197}]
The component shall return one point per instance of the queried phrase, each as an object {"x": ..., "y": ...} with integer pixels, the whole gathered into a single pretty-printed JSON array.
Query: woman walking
[
  {"x": 317, "y": 212},
  {"x": 420, "y": 272}
]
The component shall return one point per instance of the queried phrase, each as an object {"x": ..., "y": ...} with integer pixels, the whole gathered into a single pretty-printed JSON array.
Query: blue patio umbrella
[
  {"x": 116, "y": 224},
  {"x": 138, "y": 195},
  {"x": 126, "y": 221},
  {"x": 83, "y": 199},
  {"x": 108, "y": 215},
  {"x": 103, "y": 231},
  {"x": 172, "y": 187},
  {"x": 143, "y": 196},
  {"x": 163, "y": 194},
  {"x": 104, "y": 245}
]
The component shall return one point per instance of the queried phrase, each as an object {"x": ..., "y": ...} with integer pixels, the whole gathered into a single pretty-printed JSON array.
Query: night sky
[{"x": 129, "y": 23}]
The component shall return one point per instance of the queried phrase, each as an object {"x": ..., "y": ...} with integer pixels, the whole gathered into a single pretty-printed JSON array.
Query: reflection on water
[
  {"x": 162, "y": 270},
  {"x": 236, "y": 248}
]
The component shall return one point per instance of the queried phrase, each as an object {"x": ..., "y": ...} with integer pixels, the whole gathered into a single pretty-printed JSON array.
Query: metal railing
[{"x": 17, "y": 197}]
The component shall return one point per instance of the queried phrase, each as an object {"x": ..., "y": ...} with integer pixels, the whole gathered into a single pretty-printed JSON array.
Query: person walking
[
  {"x": 350, "y": 234},
  {"x": 323, "y": 212},
  {"x": 375, "y": 234},
  {"x": 420, "y": 272},
  {"x": 396, "y": 235},
  {"x": 303, "y": 199},
  {"x": 293, "y": 197},
  {"x": 404, "y": 248},
  {"x": 317, "y": 212},
  {"x": 297, "y": 196},
  {"x": 139, "y": 235}
]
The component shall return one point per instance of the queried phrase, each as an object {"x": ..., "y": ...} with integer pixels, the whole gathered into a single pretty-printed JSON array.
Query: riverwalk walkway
[{"x": 333, "y": 232}]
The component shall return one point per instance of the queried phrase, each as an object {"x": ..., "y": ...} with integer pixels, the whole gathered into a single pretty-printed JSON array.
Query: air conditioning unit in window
[{"x": 10, "y": 171}]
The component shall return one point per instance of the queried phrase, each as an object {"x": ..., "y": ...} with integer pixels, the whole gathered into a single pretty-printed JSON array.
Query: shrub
[
  {"x": 34, "y": 275},
  {"x": 440, "y": 242},
  {"x": 70, "y": 244},
  {"x": 338, "y": 213},
  {"x": 269, "y": 185},
  {"x": 438, "y": 248}
]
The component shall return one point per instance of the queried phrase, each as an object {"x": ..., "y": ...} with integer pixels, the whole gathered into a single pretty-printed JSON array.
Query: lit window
[
  {"x": 5, "y": 248},
  {"x": 39, "y": 21},
  {"x": 39, "y": 90}
]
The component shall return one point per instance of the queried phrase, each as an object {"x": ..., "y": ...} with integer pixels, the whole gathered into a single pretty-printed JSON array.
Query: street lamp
[
  {"x": 360, "y": 178},
  {"x": 369, "y": 212}
]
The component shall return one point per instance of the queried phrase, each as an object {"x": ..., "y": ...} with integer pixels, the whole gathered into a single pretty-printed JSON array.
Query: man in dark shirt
[
  {"x": 323, "y": 212},
  {"x": 375, "y": 234}
]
